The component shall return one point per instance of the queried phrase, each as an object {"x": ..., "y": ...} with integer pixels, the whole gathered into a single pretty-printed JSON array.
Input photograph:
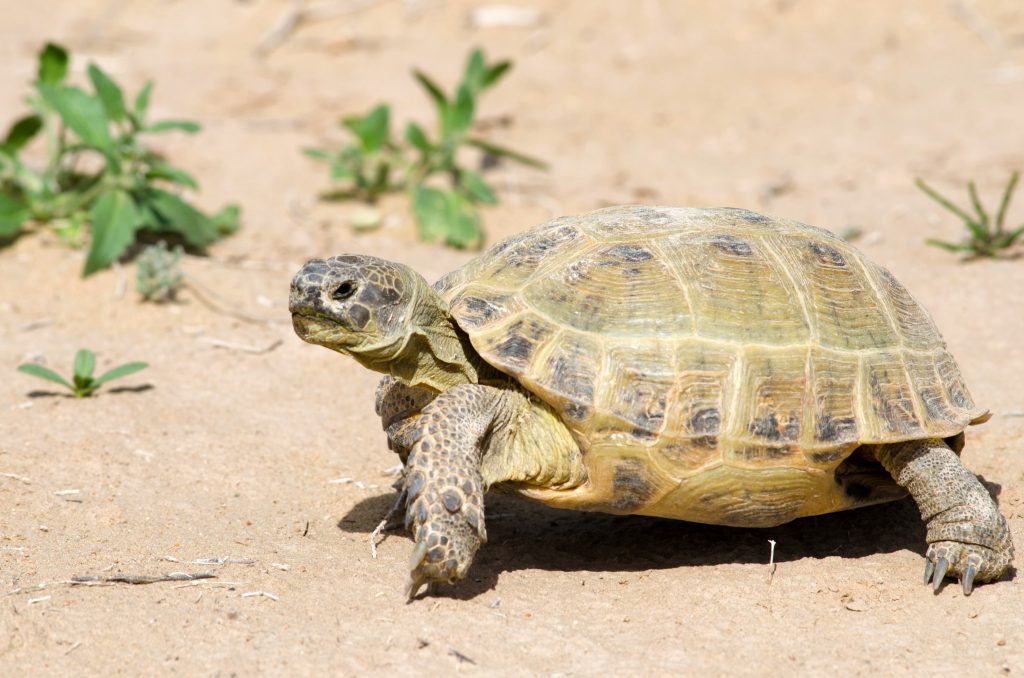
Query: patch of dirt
[{"x": 800, "y": 109}]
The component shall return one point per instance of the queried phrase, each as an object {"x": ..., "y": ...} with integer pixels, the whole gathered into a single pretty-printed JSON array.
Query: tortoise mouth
[{"x": 317, "y": 328}]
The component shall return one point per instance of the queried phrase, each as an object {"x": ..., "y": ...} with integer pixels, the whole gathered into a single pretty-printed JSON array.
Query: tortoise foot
[
  {"x": 969, "y": 563},
  {"x": 444, "y": 551}
]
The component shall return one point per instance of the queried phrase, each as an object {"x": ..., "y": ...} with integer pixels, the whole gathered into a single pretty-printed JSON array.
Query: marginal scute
[
  {"x": 631, "y": 488},
  {"x": 479, "y": 307}
]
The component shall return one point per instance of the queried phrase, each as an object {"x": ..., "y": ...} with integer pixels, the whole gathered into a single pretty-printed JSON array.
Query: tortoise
[{"x": 708, "y": 365}]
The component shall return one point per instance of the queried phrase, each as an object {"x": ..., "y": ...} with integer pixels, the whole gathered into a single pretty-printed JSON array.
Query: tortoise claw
[
  {"x": 941, "y": 567},
  {"x": 968, "y": 579},
  {"x": 929, "y": 568},
  {"x": 417, "y": 578}
]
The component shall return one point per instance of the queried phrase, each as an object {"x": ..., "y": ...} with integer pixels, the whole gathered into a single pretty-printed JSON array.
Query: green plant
[
  {"x": 985, "y": 237},
  {"x": 83, "y": 384},
  {"x": 445, "y": 193},
  {"x": 157, "y": 276},
  {"x": 98, "y": 173}
]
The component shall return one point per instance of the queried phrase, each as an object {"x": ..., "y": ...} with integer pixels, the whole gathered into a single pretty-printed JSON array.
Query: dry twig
[
  {"x": 223, "y": 560},
  {"x": 233, "y": 346},
  {"x": 90, "y": 580},
  {"x": 383, "y": 525}
]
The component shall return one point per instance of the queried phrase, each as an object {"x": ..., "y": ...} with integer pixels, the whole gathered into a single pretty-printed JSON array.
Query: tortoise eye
[{"x": 344, "y": 291}]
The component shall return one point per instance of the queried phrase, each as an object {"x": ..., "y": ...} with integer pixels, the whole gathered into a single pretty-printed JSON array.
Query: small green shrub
[
  {"x": 83, "y": 384},
  {"x": 444, "y": 192},
  {"x": 125, "y": 190},
  {"x": 985, "y": 237},
  {"x": 157, "y": 276}
]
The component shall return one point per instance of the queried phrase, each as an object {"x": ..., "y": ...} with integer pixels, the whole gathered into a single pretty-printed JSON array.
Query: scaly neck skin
[{"x": 434, "y": 354}]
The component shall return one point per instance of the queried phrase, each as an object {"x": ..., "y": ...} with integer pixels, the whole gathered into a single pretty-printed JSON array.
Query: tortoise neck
[{"x": 434, "y": 354}]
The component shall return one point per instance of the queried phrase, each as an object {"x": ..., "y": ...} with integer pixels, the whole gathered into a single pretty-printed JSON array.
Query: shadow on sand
[{"x": 523, "y": 535}]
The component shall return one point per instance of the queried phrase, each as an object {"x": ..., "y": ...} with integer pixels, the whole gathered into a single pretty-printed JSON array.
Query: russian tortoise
[{"x": 711, "y": 365}]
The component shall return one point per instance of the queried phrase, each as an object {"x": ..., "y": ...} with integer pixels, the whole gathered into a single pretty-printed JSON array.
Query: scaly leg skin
[
  {"x": 967, "y": 536},
  {"x": 398, "y": 407},
  {"x": 445, "y": 508}
]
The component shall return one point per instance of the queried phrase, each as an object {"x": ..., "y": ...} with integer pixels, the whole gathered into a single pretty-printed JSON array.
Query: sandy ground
[{"x": 817, "y": 111}]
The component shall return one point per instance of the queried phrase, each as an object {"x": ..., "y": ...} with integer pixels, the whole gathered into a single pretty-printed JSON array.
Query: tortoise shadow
[{"x": 524, "y": 535}]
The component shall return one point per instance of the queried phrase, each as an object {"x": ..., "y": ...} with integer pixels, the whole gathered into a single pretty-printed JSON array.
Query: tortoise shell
[{"x": 695, "y": 339}]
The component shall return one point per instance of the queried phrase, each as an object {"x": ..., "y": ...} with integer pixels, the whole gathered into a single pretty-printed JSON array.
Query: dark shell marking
[{"x": 631, "y": 488}]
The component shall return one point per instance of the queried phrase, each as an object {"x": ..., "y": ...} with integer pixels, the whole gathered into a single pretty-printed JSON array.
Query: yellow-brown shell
[{"x": 710, "y": 337}]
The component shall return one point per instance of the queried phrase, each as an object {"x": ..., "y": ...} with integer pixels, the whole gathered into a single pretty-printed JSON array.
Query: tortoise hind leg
[
  {"x": 445, "y": 489},
  {"x": 967, "y": 535}
]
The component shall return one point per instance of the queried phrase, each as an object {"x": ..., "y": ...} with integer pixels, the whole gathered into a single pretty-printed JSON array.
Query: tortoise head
[{"x": 354, "y": 304}]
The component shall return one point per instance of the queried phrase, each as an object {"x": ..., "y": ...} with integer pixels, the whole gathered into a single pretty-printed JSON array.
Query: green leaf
[
  {"x": 476, "y": 187},
  {"x": 115, "y": 218},
  {"x": 318, "y": 154},
  {"x": 53, "y": 64},
  {"x": 109, "y": 93},
  {"x": 142, "y": 103},
  {"x": 479, "y": 76},
  {"x": 82, "y": 113},
  {"x": 464, "y": 229},
  {"x": 178, "y": 216},
  {"x": 85, "y": 363},
  {"x": 169, "y": 125},
  {"x": 942, "y": 200},
  {"x": 1008, "y": 238},
  {"x": 414, "y": 135},
  {"x": 972, "y": 191},
  {"x": 341, "y": 169},
  {"x": 13, "y": 215},
  {"x": 476, "y": 71},
  {"x": 159, "y": 169},
  {"x": 952, "y": 247},
  {"x": 21, "y": 132},
  {"x": 120, "y": 371},
  {"x": 433, "y": 90},
  {"x": 496, "y": 72},
  {"x": 228, "y": 219},
  {"x": 502, "y": 152},
  {"x": 446, "y": 215},
  {"x": 44, "y": 373},
  {"x": 430, "y": 208},
  {"x": 373, "y": 129},
  {"x": 460, "y": 117},
  {"x": 1005, "y": 202}
]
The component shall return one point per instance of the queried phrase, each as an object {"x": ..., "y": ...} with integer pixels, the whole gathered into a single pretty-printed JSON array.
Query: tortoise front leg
[
  {"x": 398, "y": 407},
  {"x": 445, "y": 489},
  {"x": 967, "y": 535}
]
